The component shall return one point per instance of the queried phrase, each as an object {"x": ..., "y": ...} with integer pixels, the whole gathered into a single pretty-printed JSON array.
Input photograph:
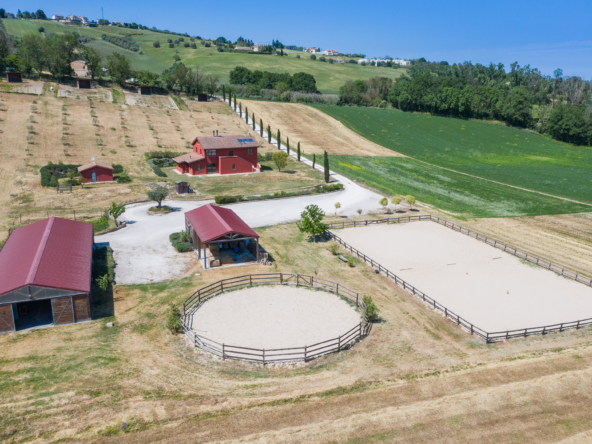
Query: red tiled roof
[
  {"x": 54, "y": 253},
  {"x": 188, "y": 158},
  {"x": 222, "y": 142},
  {"x": 211, "y": 222},
  {"x": 93, "y": 164}
]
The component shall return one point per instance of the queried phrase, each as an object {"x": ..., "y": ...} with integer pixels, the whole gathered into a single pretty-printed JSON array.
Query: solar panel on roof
[{"x": 245, "y": 141}]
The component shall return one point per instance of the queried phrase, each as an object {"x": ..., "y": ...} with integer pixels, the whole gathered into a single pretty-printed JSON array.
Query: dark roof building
[{"x": 45, "y": 274}]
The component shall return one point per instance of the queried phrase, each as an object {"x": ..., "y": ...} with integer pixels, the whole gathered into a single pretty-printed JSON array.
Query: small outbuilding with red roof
[
  {"x": 45, "y": 275},
  {"x": 96, "y": 172},
  {"x": 221, "y": 237}
]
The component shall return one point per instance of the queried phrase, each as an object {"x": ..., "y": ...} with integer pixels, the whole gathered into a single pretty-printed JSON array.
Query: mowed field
[
  {"x": 41, "y": 129},
  {"x": 492, "y": 151},
  {"x": 329, "y": 77},
  {"x": 416, "y": 378}
]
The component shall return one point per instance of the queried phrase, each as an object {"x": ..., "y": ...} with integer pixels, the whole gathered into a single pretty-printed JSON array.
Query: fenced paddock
[
  {"x": 492, "y": 290},
  {"x": 275, "y": 317}
]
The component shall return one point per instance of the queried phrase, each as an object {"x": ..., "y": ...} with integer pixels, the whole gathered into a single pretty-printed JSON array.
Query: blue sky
[{"x": 542, "y": 33}]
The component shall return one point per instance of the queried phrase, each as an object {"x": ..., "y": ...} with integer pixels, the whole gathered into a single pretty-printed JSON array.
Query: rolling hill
[{"x": 329, "y": 77}]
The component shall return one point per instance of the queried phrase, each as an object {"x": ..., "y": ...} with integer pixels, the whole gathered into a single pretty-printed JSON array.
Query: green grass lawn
[
  {"x": 455, "y": 193},
  {"x": 329, "y": 77},
  {"x": 492, "y": 151}
]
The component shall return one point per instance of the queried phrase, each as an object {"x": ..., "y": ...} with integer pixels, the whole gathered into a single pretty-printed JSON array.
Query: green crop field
[
  {"x": 329, "y": 77},
  {"x": 487, "y": 150},
  {"x": 451, "y": 192}
]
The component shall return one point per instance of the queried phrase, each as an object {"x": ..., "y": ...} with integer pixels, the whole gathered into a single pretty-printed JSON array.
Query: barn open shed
[
  {"x": 221, "y": 237},
  {"x": 83, "y": 83},
  {"x": 145, "y": 90},
  {"x": 45, "y": 275},
  {"x": 14, "y": 77}
]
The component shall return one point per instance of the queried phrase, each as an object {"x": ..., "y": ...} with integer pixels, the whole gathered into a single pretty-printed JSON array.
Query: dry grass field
[
  {"x": 316, "y": 130},
  {"x": 41, "y": 129},
  {"x": 416, "y": 378}
]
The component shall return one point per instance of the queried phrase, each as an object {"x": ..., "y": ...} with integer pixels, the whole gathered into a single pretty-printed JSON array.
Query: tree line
[
  {"x": 300, "y": 81},
  {"x": 558, "y": 105}
]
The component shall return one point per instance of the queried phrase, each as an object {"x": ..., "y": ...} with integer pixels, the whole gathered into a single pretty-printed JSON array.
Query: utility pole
[{"x": 102, "y": 16}]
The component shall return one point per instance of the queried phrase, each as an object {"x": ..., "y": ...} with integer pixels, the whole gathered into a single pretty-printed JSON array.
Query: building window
[
  {"x": 199, "y": 167},
  {"x": 231, "y": 153},
  {"x": 233, "y": 167},
  {"x": 250, "y": 151},
  {"x": 210, "y": 152}
]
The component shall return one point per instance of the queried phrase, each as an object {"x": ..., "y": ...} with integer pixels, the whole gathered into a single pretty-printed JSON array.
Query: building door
[
  {"x": 6, "y": 318},
  {"x": 211, "y": 168},
  {"x": 94, "y": 177}
]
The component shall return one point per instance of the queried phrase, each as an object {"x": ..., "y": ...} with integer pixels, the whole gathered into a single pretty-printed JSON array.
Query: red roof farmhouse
[
  {"x": 45, "y": 274},
  {"x": 96, "y": 172},
  {"x": 220, "y": 155}
]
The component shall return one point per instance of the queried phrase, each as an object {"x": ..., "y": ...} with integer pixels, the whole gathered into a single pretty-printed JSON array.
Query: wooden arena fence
[
  {"x": 468, "y": 326},
  {"x": 266, "y": 356}
]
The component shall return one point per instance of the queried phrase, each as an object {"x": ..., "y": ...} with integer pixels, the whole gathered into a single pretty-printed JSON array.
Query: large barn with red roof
[
  {"x": 221, "y": 237},
  {"x": 45, "y": 274}
]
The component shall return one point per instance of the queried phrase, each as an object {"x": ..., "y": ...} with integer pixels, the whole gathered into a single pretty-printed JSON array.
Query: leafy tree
[
  {"x": 384, "y": 202},
  {"x": 58, "y": 53},
  {"x": 156, "y": 44},
  {"x": 372, "y": 311},
  {"x": 116, "y": 210},
  {"x": 4, "y": 49},
  {"x": 570, "y": 124},
  {"x": 30, "y": 53},
  {"x": 395, "y": 200},
  {"x": 146, "y": 78},
  {"x": 2, "y": 12},
  {"x": 410, "y": 200},
  {"x": 280, "y": 158},
  {"x": 40, "y": 15},
  {"x": 158, "y": 194},
  {"x": 313, "y": 57},
  {"x": 326, "y": 167},
  {"x": 119, "y": 68},
  {"x": 311, "y": 221},
  {"x": 298, "y": 152},
  {"x": 337, "y": 207},
  {"x": 93, "y": 60}
]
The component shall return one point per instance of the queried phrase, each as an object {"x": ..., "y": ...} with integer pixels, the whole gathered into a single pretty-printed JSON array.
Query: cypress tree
[
  {"x": 261, "y": 127},
  {"x": 253, "y": 119},
  {"x": 235, "y": 103},
  {"x": 279, "y": 140},
  {"x": 326, "y": 167},
  {"x": 268, "y": 134},
  {"x": 223, "y": 93},
  {"x": 247, "y": 115},
  {"x": 288, "y": 145},
  {"x": 314, "y": 160},
  {"x": 298, "y": 151},
  {"x": 240, "y": 109}
]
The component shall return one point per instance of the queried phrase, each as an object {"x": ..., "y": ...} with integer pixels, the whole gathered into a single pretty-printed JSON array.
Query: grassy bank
[{"x": 492, "y": 151}]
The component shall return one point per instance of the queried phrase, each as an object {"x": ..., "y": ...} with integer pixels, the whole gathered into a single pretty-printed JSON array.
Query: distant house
[
  {"x": 330, "y": 52},
  {"x": 96, "y": 172},
  {"x": 243, "y": 48},
  {"x": 118, "y": 23},
  {"x": 401, "y": 62},
  {"x": 258, "y": 47},
  {"x": 72, "y": 19},
  {"x": 80, "y": 68},
  {"x": 220, "y": 155},
  {"x": 312, "y": 50},
  {"x": 339, "y": 61},
  {"x": 364, "y": 61},
  {"x": 9, "y": 15},
  {"x": 57, "y": 17},
  {"x": 82, "y": 19}
]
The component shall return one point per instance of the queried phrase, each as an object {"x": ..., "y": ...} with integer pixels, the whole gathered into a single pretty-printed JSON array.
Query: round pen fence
[
  {"x": 468, "y": 326},
  {"x": 266, "y": 356}
]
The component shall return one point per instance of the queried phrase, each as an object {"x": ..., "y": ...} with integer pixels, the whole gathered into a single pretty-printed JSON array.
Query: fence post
[
  {"x": 251, "y": 279},
  {"x": 578, "y": 326},
  {"x": 487, "y": 338},
  {"x": 561, "y": 328},
  {"x": 281, "y": 278},
  {"x": 338, "y": 288},
  {"x": 544, "y": 328},
  {"x": 357, "y": 298},
  {"x": 223, "y": 352},
  {"x": 199, "y": 296},
  {"x": 221, "y": 285},
  {"x": 305, "y": 353},
  {"x": 471, "y": 328},
  {"x": 360, "y": 330},
  {"x": 263, "y": 356},
  {"x": 339, "y": 344}
]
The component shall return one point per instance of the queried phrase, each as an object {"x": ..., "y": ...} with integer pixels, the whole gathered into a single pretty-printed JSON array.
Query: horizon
[{"x": 525, "y": 33}]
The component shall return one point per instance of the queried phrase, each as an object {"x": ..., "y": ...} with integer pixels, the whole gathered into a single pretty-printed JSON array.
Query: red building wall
[
  {"x": 239, "y": 152},
  {"x": 103, "y": 174},
  {"x": 240, "y": 165}
]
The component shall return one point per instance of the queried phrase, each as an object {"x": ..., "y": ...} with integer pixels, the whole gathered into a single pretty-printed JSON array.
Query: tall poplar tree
[
  {"x": 298, "y": 151},
  {"x": 326, "y": 165}
]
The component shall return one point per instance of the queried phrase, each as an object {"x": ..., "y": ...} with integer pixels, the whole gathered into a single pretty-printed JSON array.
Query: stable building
[
  {"x": 96, "y": 172},
  {"x": 220, "y": 155},
  {"x": 221, "y": 237},
  {"x": 45, "y": 275}
]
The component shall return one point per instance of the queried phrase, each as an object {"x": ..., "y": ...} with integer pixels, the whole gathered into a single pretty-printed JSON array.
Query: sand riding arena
[
  {"x": 489, "y": 289},
  {"x": 276, "y": 317}
]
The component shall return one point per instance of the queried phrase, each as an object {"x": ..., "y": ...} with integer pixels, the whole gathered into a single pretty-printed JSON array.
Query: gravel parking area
[
  {"x": 492, "y": 289},
  {"x": 270, "y": 317}
]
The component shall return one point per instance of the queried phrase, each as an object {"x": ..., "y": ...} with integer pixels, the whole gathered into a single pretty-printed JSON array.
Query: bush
[
  {"x": 53, "y": 182},
  {"x": 156, "y": 169},
  {"x": 193, "y": 46},
  {"x": 161, "y": 154},
  {"x": 183, "y": 247},
  {"x": 186, "y": 44},
  {"x": 156, "y": 44},
  {"x": 334, "y": 249},
  {"x": 171, "y": 45},
  {"x": 181, "y": 241},
  {"x": 207, "y": 44},
  {"x": 50, "y": 171},
  {"x": 221, "y": 200},
  {"x": 117, "y": 169},
  {"x": 371, "y": 309},
  {"x": 173, "y": 322},
  {"x": 268, "y": 157},
  {"x": 123, "y": 42},
  {"x": 313, "y": 57},
  {"x": 123, "y": 178}
]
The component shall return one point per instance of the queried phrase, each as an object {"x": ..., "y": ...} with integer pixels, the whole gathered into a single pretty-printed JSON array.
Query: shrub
[
  {"x": 183, "y": 247},
  {"x": 313, "y": 57},
  {"x": 267, "y": 157},
  {"x": 334, "y": 249},
  {"x": 161, "y": 154},
  {"x": 53, "y": 182},
  {"x": 193, "y": 46},
  {"x": 117, "y": 169},
  {"x": 221, "y": 200},
  {"x": 171, "y": 45},
  {"x": 123, "y": 178},
  {"x": 56, "y": 171},
  {"x": 173, "y": 321},
  {"x": 156, "y": 44},
  {"x": 156, "y": 169},
  {"x": 207, "y": 44},
  {"x": 186, "y": 44},
  {"x": 181, "y": 241},
  {"x": 371, "y": 309}
]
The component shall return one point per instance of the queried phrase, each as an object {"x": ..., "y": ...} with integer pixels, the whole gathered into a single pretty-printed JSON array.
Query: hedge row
[
  {"x": 103, "y": 263},
  {"x": 52, "y": 170},
  {"x": 123, "y": 42},
  {"x": 161, "y": 154},
  {"x": 221, "y": 200}
]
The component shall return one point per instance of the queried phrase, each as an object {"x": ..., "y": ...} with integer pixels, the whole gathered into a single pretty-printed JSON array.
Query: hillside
[
  {"x": 329, "y": 77},
  {"x": 492, "y": 151}
]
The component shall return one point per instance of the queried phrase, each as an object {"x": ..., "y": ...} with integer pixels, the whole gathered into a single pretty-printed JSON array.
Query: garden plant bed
[{"x": 164, "y": 209}]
